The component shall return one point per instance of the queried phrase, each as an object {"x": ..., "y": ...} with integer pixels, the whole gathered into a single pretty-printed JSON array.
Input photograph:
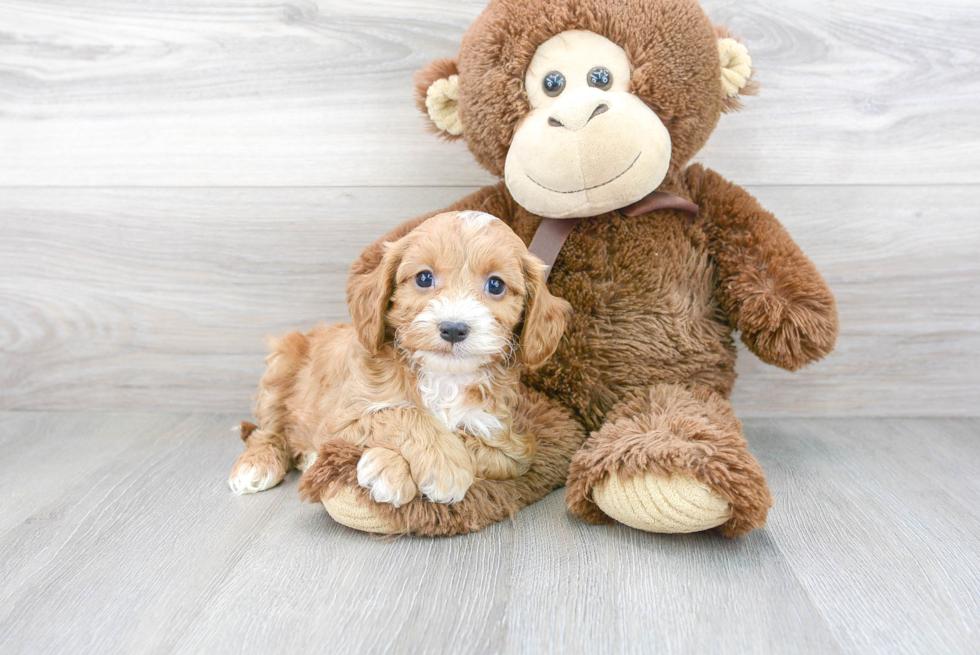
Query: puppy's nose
[{"x": 453, "y": 331}]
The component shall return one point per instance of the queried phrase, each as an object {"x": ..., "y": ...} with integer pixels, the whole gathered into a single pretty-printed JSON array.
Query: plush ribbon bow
[{"x": 552, "y": 232}]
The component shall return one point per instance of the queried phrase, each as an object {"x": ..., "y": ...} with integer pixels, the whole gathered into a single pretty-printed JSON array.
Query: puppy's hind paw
[
  {"x": 305, "y": 460},
  {"x": 386, "y": 475},
  {"x": 249, "y": 479}
]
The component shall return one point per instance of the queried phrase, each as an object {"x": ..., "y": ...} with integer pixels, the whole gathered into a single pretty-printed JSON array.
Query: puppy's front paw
[
  {"x": 386, "y": 475},
  {"x": 504, "y": 459},
  {"x": 444, "y": 481}
]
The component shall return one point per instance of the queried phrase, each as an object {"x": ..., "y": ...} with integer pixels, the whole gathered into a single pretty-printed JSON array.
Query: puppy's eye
[
  {"x": 600, "y": 78},
  {"x": 424, "y": 279},
  {"x": 554, "y": 83},
  {"x": 496, "y": 286}
]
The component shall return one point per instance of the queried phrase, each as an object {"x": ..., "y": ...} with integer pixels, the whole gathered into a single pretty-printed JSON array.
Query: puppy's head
[{"x": 458, "y": 293}]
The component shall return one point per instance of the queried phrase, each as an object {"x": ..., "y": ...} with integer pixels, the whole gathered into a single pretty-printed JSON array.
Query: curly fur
[{"x": 556, "y": 433}]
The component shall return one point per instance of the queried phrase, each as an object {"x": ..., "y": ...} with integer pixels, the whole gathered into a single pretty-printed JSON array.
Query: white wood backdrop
[{"x": 179, "y": 179}]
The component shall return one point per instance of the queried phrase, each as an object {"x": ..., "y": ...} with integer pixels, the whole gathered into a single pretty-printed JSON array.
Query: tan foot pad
[
  {"x": 654, "y": 503},
  {"x": 345, "y": 508}
]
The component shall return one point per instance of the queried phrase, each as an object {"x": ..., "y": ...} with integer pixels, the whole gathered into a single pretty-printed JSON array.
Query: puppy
[{"x": 426, "y": 376}]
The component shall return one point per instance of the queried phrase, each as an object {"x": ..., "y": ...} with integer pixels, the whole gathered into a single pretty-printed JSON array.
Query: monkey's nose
[
  {"x": 573, "y": 119},
  {"x": 453, "y": 331},
  {"x": 601, "y": 109}
]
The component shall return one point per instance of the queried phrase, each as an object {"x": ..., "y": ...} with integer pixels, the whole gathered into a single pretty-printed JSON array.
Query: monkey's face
[
  {"x": 588, "y": 145},
  {"x": 585, "y": 107}
]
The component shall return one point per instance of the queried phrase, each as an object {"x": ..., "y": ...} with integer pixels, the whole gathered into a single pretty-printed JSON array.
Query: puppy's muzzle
[{"x": 453, "y": 331}]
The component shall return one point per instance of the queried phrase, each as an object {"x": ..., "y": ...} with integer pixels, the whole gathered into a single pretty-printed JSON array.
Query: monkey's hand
[
  {"x": 786, "y": 313},
  {"x": 771, "y": 291}
]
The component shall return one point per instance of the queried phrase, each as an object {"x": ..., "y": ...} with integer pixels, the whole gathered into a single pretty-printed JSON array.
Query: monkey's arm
[
  {"x": 488, "y": 199},
  {"x": 771, "y": 291}
]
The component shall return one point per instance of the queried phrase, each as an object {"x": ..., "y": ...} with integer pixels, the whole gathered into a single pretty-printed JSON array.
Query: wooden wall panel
[
  {"x": 160, "y": 298},
  {"x": 251, "y": 93},
  {"x": 179, "y": 179}
]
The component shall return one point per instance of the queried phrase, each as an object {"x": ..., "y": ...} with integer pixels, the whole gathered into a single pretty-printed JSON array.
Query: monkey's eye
[
  {"x": 496, "y": 286},
  {"x": 424, "y": 279},
  {"x": 554, "y": 83},
  {"x": 600, "y": 78}
]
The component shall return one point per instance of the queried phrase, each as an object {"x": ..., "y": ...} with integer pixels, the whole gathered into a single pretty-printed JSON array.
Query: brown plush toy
[{"x": 589, "y": 111}]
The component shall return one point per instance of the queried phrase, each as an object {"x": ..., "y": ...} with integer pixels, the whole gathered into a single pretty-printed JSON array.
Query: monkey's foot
[
  {"x": 665, "y": 504},
  {"x": 669, "y": 459},
  {"x": 347, "y": 508}
]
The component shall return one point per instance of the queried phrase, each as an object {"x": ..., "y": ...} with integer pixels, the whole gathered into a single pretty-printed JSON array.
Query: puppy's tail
[{"x": 247, "y": 429}]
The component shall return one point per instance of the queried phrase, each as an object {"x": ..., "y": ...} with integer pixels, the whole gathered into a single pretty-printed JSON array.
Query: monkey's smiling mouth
[{"x": 588, "y": 188}]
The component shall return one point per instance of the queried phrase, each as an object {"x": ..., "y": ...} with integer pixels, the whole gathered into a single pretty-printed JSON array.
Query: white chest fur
[{"x": 445, "y": 395}]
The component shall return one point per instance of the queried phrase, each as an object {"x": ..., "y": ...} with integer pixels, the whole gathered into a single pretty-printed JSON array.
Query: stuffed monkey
[{"x": 589, "y": 111}]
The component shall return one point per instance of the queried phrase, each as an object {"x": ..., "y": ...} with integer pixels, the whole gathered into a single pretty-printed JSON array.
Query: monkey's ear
[
  {"x": 437, "y": 95},
  {"x": 736, "y": 71}
]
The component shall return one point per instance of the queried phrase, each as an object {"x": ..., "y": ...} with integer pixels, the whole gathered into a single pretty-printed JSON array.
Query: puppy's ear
[
  {"x": 369, "y": 294},
  {"x": 437, "y": 96},
  {"x": 545, "y": 316}
]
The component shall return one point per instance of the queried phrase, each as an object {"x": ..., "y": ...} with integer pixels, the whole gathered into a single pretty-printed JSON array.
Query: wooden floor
[{"x": 119, "y": 534}]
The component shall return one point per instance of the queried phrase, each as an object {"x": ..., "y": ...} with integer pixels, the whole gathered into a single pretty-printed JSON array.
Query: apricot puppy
[{"x": 426, "y": 376}]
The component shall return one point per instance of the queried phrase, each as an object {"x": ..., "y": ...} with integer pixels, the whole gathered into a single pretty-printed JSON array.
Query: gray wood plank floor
[{"x": 118, "y": 534}]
